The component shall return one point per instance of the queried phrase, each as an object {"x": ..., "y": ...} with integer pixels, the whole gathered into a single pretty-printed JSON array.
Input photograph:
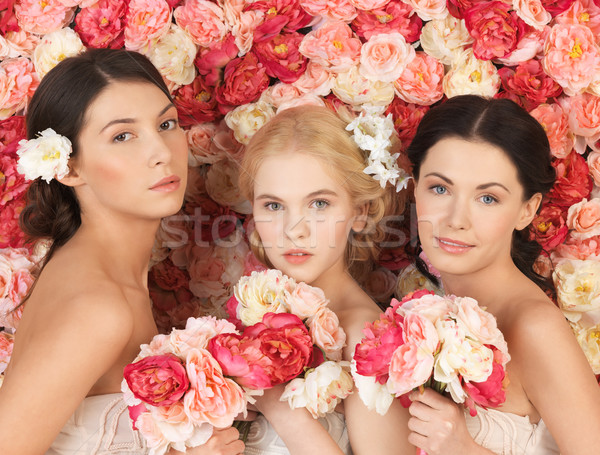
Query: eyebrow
[
  {"x": 322, "y": 192},
  {"x": 483, "y": 186},
  {"x": 132, "y": 120}
]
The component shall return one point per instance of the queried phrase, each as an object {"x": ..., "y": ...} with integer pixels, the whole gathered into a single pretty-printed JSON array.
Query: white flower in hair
[
  {"x": 46, "y": 156},
  {"x": 373, "y": 133}
]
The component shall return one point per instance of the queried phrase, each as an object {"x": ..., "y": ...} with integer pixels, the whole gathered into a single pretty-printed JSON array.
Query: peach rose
[
  {"x": 532, "y": 12},
  {"x": 316, "y": 80},
  {"x": 326, "y": 333},
  {"x": 332, "y": 45},
  {"x": 583, "y": 12},
  {"x": 584, "y": 219},
  {"x": 203, "y": 20},
  {"x": 6, "y": 347},
  {"x": 555, "y": 123},
  {"x": 222, "y": 187},
  {"x": 306, "y": 301},
  {"x": 583, "y": 112},
  {"x": 173, "y": 55},
  {"x": 21, "y": 43},
  {"x": 410, "y": 367},
  {"x": 469, "y": 75},
  {"x": 581, "y": 249},
  {"x": 247, "y": 119},
  {"x": 336, "y": 10},
  {"x": 530, "y": 46},
  {"x": 205, "y": 272},
  {"x": 444, "y": 38},
  {"x": 577, "y": 287},
  {"x": 199, "y": 138},
  {"x": 383, "y": 57},
  {"x": 429, "y": 9},
  {"x": 571, "y": 57},
  {"x": 145, "y": 22},
  {"x": 354, "y": 89},
  {"x": 243, "y": 30},
  {"x": 420, "y": 331},
  {"x": 18, "y": 81},
  {"x": 43, "y": 17},
  {"x": 593, "y": 162},
  {"x": 421, "y": 81},
  {"x": 279, "y": 93},
  {"x": 379, "y": 284}
]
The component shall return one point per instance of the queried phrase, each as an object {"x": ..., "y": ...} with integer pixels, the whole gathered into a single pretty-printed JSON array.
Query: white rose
[
  {"x": 444, "y": 38},
  {"x": 247, "y": 119},
  {"x": 471, "y": 76},
  {"x": 410, "y": 279},
  {"x": 374, "y": 395},
  {"x": 578, "y": 289},
  {"x": 46, "y": 156},
  {"x": 174, "y": 55},
  {"x": 589, "y": 340},
  {"x": 54, "y": 48},
  {"x": 354, "y": 89}
]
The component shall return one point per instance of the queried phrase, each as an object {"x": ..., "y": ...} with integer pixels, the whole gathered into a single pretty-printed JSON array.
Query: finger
[
  {"x": 226, "y": 435},
  {"x": 418, "y": 440},
  {"x": 249, "y": 417},
  {"x": 421, "y": 411},
  {"x": 419, "y": 426},
  {"x": 430, "y": 397}
]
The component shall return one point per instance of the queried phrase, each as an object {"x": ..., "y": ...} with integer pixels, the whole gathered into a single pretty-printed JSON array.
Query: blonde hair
[{"x": 319, "y": 132}]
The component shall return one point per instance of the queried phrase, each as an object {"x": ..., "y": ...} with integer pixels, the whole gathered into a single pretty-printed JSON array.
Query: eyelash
[
  {"x": 173, "y": 124},
  {"x": 269, "y": 206},
  {"x": 316, "y": 201},
  {"x": 435, "y": 187}
]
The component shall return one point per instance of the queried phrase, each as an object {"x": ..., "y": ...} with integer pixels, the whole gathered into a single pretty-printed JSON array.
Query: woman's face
[
  {"x": 132, "y": 155},
  {"x": 469, "y": 201},
  {"x": 303, "y": 217}
]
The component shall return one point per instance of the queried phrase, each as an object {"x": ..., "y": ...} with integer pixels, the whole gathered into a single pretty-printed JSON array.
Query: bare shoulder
[{"x": 358, "y": 310}]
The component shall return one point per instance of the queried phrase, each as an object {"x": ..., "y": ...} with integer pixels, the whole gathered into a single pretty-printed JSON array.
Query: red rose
[
  {"x": 12, "y": 184},
  {"x": 231, "y": 308},
  {"x": 510, "y": 96},
  {"x": 549, "y": 227},
  {"x": 396, "y": 16},
  {"x": 102, "y": 25},
  {"x": 11, "y": 236},
  {"x": 281, "y": 57},
  {"x": 169, "y": 277},
  {"x": 528, "y": 80},
  {"x": 209, "y": 61},
  {"x": 458, "y": 7},
  {"x": 555, "y": 7},
  {"x": 496, "y": 31},
  {"x": 211, "y": 220},
  {"x": 285, "y": 340},
  {"x": 406, "y": 118},
  {"x": 12, "y": 129},
  {"x": 286, "y": 15},
  {"x": 573, "y": 181},
  {"x": 159, "y": 380},
  {"x": 244, "y": 81},
  {"x": 8, "y": 20},
  {"x": 489, "y": 393},
  {"x": 196, "y": 103}
]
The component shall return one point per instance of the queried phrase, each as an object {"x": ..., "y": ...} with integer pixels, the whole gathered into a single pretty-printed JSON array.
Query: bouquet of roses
[
  {"x": 448, "y": 343},
  {"x": 289, "y": 336},
  {"x": 176, "y": 390}
]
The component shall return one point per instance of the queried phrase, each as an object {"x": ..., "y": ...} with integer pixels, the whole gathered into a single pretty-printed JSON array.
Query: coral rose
[
  {"x": 281, "y": 58},
  {"x": 394, "y": 17},
  {"x": 532, "y": 12},
  {"x": 406, "y": 119},
  {"x": 555, "y": 123},
  {"x": 203, "y": 20},
  {"x": 327, "y": 334},
  {"x": 42, "y": 17},
  {"x": 18, "y": 82},
  {"x": 529, "y": 81},
  {"x": 196, "y": 103},
  {"x": 593, "y": 162},
  {"x": 549, "y": 227},
  {"x": 410, "y": 367},
  {"x": 145, "y": 22},
  {"x": 336, "y": 10},
  {"x": 573, "y": 182},
  {"x": 584, "y": 219},
  {"x": 383, "y": 57},
  {"x": 102, "y": 25},
  {"x": 421, "y": 81}
]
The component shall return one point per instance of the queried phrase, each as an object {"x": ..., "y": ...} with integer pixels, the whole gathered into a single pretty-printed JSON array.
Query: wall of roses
[{"x": 233, "y": 64}]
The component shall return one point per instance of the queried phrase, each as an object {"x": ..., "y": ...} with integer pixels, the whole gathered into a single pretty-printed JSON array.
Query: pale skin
[
  {"x": 90, "y": 309},
  {"x": 479, "y": 205},
  {"x": 301, "y": 210}
]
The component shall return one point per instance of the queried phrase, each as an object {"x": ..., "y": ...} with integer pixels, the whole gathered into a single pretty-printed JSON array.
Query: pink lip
[
  {"x": 167, "y": 184},
  {"x": 453, "y": 246},
  {"x": 296, "y": 256}
]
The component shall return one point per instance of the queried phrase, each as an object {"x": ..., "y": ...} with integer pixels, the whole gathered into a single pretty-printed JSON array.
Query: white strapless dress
[
  {"x": 263, "y": 440},
  {"x": 509, "y": 434},
  {"x": 99, "y": 426}
]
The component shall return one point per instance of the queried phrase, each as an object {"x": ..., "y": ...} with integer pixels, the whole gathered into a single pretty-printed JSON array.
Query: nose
[
  {"x": 459, "y": 214},
  {"x": 297, "y": 226},
  {"x": 159, "y": 150}
]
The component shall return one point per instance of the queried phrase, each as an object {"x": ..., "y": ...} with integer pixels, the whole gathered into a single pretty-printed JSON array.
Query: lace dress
[
  {"x": 99, "y": 426},
  {"x": 263, "y": 440},
  {"x": 510, "y": 434}
]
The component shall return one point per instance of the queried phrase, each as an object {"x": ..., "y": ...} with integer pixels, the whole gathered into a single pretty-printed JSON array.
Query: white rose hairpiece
[
  {"x": 372, "y": 133},
  {"x": 46, "y": 156}
]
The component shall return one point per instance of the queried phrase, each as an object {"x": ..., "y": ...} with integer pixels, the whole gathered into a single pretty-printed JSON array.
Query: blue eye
[
  {"x": 273, "y": 206},
  {"x": 168, "y": 125},
  {"x": 439, "y": 189},
  {"x": 320, "y": 204},
  {"x": 487, "y": 199}
]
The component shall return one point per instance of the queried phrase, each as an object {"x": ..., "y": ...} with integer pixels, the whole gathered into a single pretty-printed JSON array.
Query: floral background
[{"x": 233, "y": 64}]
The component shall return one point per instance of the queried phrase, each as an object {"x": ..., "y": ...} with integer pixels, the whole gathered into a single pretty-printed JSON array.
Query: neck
[{"x": 335, "y": 284}]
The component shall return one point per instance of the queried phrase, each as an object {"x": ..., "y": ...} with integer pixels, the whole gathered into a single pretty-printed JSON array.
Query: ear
[
  {"x": 529, "y": 211},
  {"x": 73, "y": 178},
  {"x": 361, "y": 217}
]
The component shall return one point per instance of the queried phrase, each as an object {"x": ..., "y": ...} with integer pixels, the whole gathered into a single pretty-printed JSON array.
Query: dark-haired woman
[
  {"x": 481, "y": 169},
  {"x": 89, "y": 310}
]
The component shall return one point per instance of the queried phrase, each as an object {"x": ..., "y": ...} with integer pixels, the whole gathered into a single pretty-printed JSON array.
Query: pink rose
[
  {"x": 368, "y": 5},
  {"x": 23, "y": 43},
  {"x": 549, "y": 227},
  {"x": 231, "y": 307},
  {"x": 381, "y": 338},
  {"x": 532, "y": 12},
  {"x": 573, "y": 182},
  {"x": 209, "y": 61},
  {"x": 12, "y": 184},
  {"x": 420, "y": 331},
  {"x": 457, "y": 8},
  {"x": 394, "y": 16},
  {"x": 529, "y": 81},
  {"x": 252, "y": 264},
  {"x": 496, "y": 31},
  {"x": 583, "y": 113},
  {"x": 212, "y": 398},
  {"x": 577, "y": 248},
  {"x": 280, "y": 93},
  {"x": 406, "y": 119},
  {"x": 12, "y": 130},
  {"x": 555, "y": 122},
  {"x": 42, "y": 17},
  {"x": 245, "y": 78},
  {"x": 203, "y": 20},
  {"x": 584, "y": 218},
  {"x": 421, "y": 81},
  {"x": 158, "y": 380},
  {"x": 555, "y": 7},
  {"x": 479, "y": 324},
  {"x": 333, "y": 46},
  {"x": 146, "y": 21},
  {"x": 196, "y": 103},
  {"x": 571, "y": 57},
  {"x": 6, "y": 347},
  {"x": 593, "y": 162},
  {"x": 583, "y": 12},
  {"x": 8, "y": 21},
  {"x": 316, "y": 80},
  {"x": 18, "y": 81},
  {"x": 10, "y": 233},
  {"x": 489, "y": 393},
  {"x": 385, "y": 56},
  {"x": 306, "y": 301},
  {"x": 335, "y": 10},
  {"x": 102, "y": 24},
  {"x": 281, "y": 58},
  {"x": 205, "y": 271},
  {"x": 530, "y": 46},
  {"x": 286, "y": 15},
  {"x": 199, "y": 138},
  {"x": 327, "y": 334},
  {"x": 410, "y": 367}
]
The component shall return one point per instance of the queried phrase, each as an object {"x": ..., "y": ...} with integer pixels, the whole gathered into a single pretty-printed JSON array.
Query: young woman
[
  {"x": 314, "y": 209},
  {"x": 90, "y": 310},
  {"x": 481, "y": 169}
]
